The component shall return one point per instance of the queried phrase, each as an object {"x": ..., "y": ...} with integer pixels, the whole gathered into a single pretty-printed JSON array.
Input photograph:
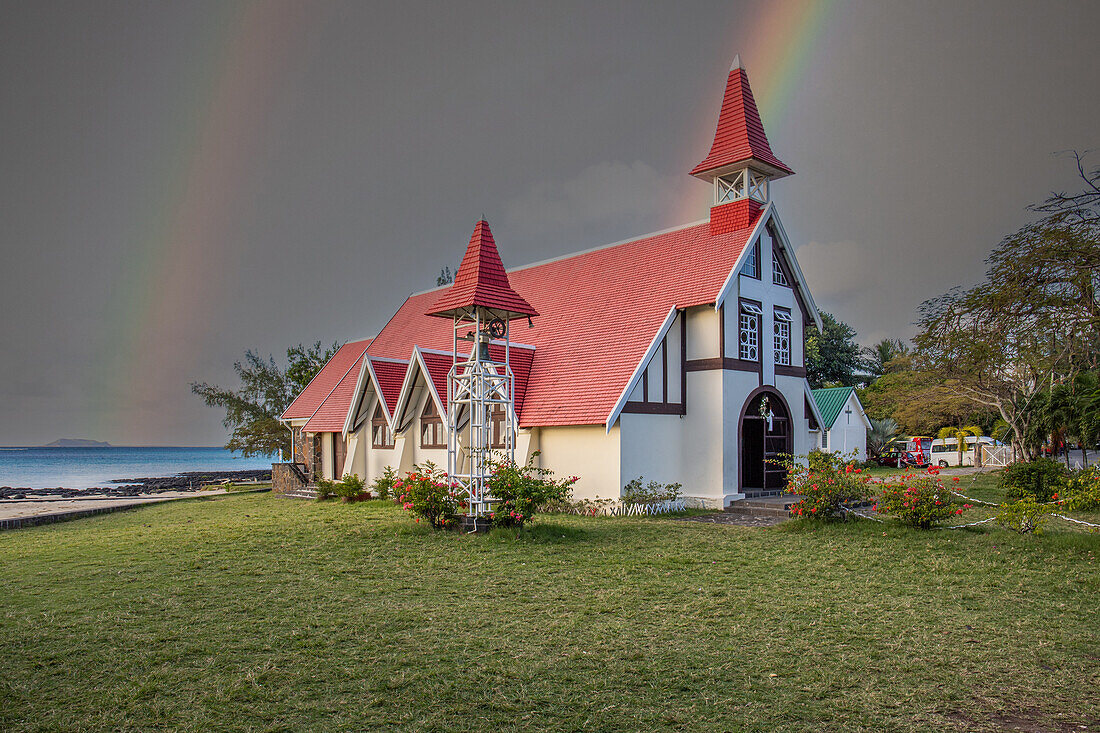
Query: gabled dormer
[{"x": 740, "y": 165}]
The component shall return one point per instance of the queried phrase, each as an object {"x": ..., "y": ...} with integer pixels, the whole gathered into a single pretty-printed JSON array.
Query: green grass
[{"x": 251, "y": 612}]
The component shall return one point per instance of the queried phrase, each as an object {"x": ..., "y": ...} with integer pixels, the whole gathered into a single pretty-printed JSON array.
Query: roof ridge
[
  {"x": 358, "y": 359},
  {"x": 578, "y": 253}
]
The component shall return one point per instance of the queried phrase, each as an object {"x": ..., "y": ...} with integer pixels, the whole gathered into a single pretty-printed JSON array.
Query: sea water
[{"x": 82, "y": 468}]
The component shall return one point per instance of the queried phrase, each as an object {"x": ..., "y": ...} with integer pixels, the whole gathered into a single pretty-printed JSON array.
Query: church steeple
[{"x": 740, "y": 162}]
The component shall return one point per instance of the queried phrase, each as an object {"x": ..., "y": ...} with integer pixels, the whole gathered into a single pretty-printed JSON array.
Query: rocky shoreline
[{"x": 127, "y": 487}]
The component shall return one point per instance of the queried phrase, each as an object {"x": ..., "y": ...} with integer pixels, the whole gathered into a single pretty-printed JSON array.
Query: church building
[{"x": 676, "y": 356}]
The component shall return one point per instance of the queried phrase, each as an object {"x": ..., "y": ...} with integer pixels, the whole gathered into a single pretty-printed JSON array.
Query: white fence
[
  {"x": 996, "y": 456},
  {"x": 608, "y": 508}
]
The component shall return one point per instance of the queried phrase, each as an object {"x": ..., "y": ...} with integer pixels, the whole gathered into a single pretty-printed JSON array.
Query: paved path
[{"x": 739, "y": 520}]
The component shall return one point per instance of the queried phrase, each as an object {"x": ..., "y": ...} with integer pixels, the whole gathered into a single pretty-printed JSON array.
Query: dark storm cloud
[{"x": 371, "y": 138}]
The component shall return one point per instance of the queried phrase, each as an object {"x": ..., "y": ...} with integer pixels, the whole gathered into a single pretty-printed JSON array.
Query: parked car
[{"x": 902, "y": 459}]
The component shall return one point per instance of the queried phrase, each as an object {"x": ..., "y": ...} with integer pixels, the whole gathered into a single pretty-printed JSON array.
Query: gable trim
[
  {"x": 641, "y": 367},
  {"x": 813, "y": 404},
  {"x": 415, "y": 363},
  {"x": 792, "y": 262},
  {"x": 750, "y": 243}
]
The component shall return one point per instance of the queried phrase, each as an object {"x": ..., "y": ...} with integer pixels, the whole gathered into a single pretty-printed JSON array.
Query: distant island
[{"x": 77, "y": 443}]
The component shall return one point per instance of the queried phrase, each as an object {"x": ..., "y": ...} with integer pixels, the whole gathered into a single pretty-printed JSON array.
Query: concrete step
[
  {"x": 307, "y": 493},
  {"x": 766, "y": 506}
]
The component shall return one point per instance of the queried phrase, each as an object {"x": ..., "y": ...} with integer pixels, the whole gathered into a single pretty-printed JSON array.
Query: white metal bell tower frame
[{"x": 476, "y": 386}]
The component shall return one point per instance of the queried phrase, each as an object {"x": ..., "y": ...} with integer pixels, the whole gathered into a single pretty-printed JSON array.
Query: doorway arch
[{"x": 764, "y": 435}]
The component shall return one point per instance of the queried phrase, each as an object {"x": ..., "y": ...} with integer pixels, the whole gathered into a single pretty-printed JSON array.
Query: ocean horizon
[{"x": 37, "y": 467}]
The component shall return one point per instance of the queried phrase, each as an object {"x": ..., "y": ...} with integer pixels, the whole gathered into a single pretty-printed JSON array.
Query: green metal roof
[{"x": 829, "y": 401}]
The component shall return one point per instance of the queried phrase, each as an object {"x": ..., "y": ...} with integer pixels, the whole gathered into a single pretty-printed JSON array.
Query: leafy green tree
[
  {"x": 444, "y": 277},
  {"x": 252, "y": 411},
  {"x": 920, "y": 401},
  {"x": 1032, "y": 323},
  {"x": 882, "y": 436},
  {"x": 886, "y": 356},
  {"x": 832, "y": 356}
]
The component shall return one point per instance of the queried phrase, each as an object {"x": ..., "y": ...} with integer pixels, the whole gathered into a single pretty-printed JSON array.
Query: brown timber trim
[
  {"x": 654, "y": 408},
  {"x": 722, "y": 331},
  {"x": 730, "y": 364},
  {"x": 789, "y": 371},
  {"x": 664, "y": 369},
  {"x": 683, "y": 361}
]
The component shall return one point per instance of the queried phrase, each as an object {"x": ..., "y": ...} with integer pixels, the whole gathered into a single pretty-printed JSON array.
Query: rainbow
[
  {"x": 166, "y": 296},
  {"x": 778, "y": 45}
]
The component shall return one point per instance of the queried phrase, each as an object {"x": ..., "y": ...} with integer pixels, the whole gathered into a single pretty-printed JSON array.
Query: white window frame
[
  {"x": 781, "y": 337},
  {"x": 778, "y": 276},
  {"x": 748, "y": 331}
]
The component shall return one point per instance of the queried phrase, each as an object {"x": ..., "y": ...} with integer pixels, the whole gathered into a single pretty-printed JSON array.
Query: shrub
[
  {"x": 520, "y": 491},
  {"x": 917, "y": 500},
  {"x": 653, "y": 493},
  {"x": 427, "y": 494},
  {"x": 383, "y": 485},
  {"x": 325, "y": 489},
  {"x": 351, "y": 488},
  {"x": 1083, "y": 491},
  {"x": 1024, "y": 516},
  {"x": 826, "y": 483},
  {"x": 1040, "y": 480}
]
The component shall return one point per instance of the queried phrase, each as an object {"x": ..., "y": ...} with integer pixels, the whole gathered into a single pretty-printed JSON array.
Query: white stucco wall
[
  {"x": 587, "y": 451},
  {"x": 849, "y": 432}
]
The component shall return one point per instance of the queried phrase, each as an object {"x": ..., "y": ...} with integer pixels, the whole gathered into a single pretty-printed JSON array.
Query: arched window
[
  {"x": 431, "y": 427},
  {"x": 381, "y": 435}
]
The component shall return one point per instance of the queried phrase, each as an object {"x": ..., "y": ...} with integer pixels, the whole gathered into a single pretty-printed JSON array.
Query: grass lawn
[{"x": 250, "y": 612}]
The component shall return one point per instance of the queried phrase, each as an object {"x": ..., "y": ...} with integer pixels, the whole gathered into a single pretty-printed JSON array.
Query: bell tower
[
  {"x": 481, "y": 306},
  {"x": 740, "y": 165}
]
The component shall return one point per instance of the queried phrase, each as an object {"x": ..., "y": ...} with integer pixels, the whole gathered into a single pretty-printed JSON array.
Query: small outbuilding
[{"x": 844, "y": 424}]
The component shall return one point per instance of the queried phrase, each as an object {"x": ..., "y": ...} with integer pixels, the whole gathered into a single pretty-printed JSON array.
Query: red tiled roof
[
  {"x": 599, "y": 312},
  {"x": 331, "y": 374},
  {"x": 740, "y": 134},
  {"x": 481, "y": 280},
  {"x": 332, "y": 413},
  {"x": 391, "y": 375},
  {"x": 438, "y": 366}
]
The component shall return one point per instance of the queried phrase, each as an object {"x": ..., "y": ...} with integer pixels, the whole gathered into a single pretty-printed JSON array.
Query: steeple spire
[
  {"x": 739, "y": 140},
  {"x": 482, "y": 282}
]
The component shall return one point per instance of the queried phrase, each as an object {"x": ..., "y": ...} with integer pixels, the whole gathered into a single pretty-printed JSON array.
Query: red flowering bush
[
  {"x": 520, "y": 491},
  {"x": 427, "y": 494},
  {"x": 826, "y": 483},
  {"x": 919, "y": 500}
]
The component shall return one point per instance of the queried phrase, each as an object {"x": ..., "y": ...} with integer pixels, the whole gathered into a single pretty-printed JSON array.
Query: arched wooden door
[{"x": 765, "y": 436}]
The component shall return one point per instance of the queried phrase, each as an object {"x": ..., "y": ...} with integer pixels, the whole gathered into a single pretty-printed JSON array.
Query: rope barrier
[{"x": 1071, "y": 519}]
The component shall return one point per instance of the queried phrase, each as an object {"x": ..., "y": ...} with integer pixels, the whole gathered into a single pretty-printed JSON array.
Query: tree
[
  {"x": 832, "y": 357},
  {"x": 252, "y": 412},
  {"x": 882, "y": 436},
  {"x": 883, "y": 357},
  {"x": 1033, "y": 322},
  {"x": 960, "y": 434},
  {"x": 1080, "y": 210},
  {"x": 920, "y": 401},
  {"x": 445, "y": 277}
]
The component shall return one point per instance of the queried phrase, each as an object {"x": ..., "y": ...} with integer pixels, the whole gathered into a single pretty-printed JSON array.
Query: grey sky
[{"x": 184, "y": 181}]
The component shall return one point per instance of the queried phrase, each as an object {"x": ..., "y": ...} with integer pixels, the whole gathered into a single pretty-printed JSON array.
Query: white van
[{"x": 945, "y": 451}]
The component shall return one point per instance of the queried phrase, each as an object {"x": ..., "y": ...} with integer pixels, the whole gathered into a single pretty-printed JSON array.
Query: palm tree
[
  {"x": 882, "y": 436},
  {"x": 961, "y": 434},
  {"x": 881, "y": 354}
]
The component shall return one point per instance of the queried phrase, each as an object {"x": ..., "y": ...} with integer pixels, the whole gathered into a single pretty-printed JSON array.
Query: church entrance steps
[
  {"x": 302, "y": 492},
  {"x": 764, "y": 506}
]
